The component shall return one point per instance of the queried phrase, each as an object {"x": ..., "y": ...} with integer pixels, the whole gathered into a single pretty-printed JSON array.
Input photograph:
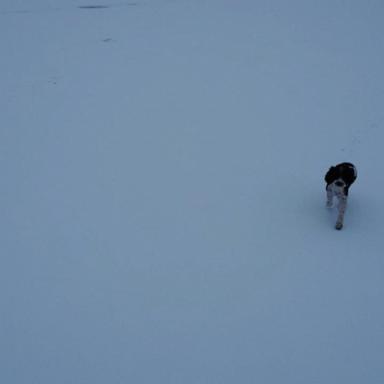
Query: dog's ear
[{"x": 330, "y": 175}]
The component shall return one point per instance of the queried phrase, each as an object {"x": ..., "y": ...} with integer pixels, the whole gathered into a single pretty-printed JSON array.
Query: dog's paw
[{"x": 339, "y": 225}]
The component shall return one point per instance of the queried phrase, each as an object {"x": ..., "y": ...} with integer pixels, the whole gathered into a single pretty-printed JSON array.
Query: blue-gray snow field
[{"x": 163, "y": 210}]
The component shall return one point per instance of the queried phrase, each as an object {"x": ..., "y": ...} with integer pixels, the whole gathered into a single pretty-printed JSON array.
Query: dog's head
[
  {"x": 340, "y": 183},
  {"x": 339, "y": 187}
]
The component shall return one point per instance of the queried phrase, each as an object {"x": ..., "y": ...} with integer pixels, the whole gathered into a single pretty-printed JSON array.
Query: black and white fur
[{"x": 339, "y": 178}]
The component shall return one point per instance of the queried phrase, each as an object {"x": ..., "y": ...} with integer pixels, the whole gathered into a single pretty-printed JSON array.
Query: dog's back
[{"x": 345, "y": 171}]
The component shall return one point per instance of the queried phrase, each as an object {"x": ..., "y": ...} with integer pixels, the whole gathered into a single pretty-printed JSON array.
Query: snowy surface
[{"x": 162, "y": 204}]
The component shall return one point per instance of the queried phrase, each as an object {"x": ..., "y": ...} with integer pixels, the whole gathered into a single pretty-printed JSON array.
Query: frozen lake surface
[{"x": 163, "y": 204}]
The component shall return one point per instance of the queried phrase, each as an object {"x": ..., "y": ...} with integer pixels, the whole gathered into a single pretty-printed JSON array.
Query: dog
[{"x": 339, "y": 178}]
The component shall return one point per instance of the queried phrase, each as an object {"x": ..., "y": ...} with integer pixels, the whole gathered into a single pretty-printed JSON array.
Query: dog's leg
[
  {"x": 342, "y": 207},
  {"x": 329, "y": 197}
]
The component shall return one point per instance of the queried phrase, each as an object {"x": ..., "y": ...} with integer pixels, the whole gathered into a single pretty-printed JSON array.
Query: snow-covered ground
[{"x": 162, "y": 200}]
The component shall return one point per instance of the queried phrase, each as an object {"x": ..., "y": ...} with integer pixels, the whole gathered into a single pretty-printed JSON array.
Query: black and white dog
[{"x": 339, "y": 178}]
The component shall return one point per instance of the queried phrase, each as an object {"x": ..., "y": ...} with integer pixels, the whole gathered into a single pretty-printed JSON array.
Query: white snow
[{"x": 163, "y": 210}]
